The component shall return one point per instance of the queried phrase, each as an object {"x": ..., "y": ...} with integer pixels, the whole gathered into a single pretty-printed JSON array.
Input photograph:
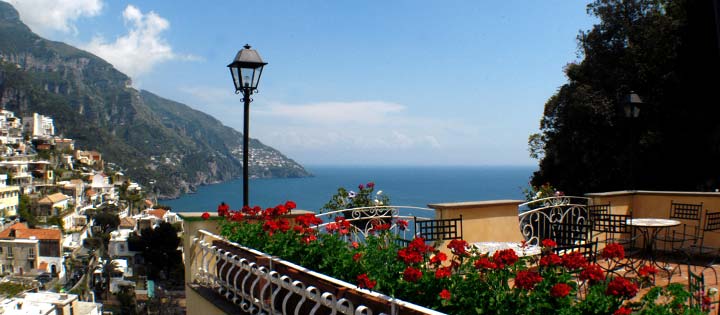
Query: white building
[
  {"x": 39, "y": 126},
  {"x": 9, "y": 198},
  {"x": 10, "y": 128},
  {"x": 118, "y": 246},
  {"x": 49, "y": 303}
]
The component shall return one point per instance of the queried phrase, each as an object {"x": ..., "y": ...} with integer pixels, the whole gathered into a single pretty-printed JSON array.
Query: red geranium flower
[
  {"x": 592, "y": 273},
  {"x": 623, "y": 311},
  {"x": 647, "y": 270},
  {"x": 361, "y": 186},
  {"x": 622, "y": 287},
  {"x": 309, "y": 238},
  {"x": 443, "y": 272},
  {"x": 205, "y": 216},
  {"x": 290, "y": 205},
  {"x": 574, "y": 260},
  {"x": 412, "y": 274},
  {"x": 364, "y": 282},
  {"x": 548, "y": 243},
  {"x": 402, "y": 224},
  {"x": 458, "y": 247},
  {"x": 357, "y": 256},
  {"x": 370, "y": 185},
  {"x": 409, "y": 256},
  {"x": 438, "y": 258},
  {"x": 613, "y": 250},
  {"x": 527, "y": 280},
  {"x": 560, "y": 290},
  {"x": 236, "y": 216},
  {"x": 485, "y": 263},
  {"x": 550, "y": 260},
  {"x": 445, "y": 295},
  {"x": 505, "y": 257},
  {"x": 381, "y": 227}
]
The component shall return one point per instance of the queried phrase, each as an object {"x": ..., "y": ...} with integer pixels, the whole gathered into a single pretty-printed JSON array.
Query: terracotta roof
[
  {"x": 76, "y": 181},
  {"x": 41, "y": 234},
  {"x": 158, "y": 213},
  {"x": 22, "y": 231},
  {"x": 90, "y": 193},
  {"x": 54, "y": 198},
  {"x": 127, "y": 222},
  {"x": 17, "y": 226}
]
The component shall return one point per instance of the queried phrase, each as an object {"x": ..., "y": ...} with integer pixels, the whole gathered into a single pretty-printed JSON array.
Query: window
[
  {"x": 9, "y": 252},
  {"x": 1, "y": 250},
  {"x": 31, "y": 253}
]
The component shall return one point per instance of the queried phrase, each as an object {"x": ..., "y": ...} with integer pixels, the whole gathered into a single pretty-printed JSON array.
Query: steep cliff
[{"x": 151, "y": 137}]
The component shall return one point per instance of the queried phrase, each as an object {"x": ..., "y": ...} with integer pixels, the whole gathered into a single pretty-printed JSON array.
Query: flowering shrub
[
  {"x": 543, "y": 191},
  {"x": 457, "y": 280},
  {"x": 364, "y": 197}
]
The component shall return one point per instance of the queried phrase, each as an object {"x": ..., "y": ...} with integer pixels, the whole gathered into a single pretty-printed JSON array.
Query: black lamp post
[
  {"x": 631, "y": 107},
  {"x": 246, "y": 69}
]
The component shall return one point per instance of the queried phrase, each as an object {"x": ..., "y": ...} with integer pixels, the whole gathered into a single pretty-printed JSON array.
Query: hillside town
[{"x": 74, "y": 229}]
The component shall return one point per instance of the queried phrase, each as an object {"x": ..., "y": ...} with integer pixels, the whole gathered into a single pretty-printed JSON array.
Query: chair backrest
[
  {"x": 587, "y": 249},
  {"x": 696, "y": 286},
  {"x": 567, "y": 233},
  {"x": 441, "y": 229},
  {"x": 712, "y": 221},
  {"x": 602, "y": 208},
  {"x": 612, "y": 223},
  {"x": 685, "y": 211}
]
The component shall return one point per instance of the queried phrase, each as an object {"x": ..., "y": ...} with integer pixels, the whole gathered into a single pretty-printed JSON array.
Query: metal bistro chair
[
  {"x": 595, "y": 212},
  {"x": 439, "y": 229},
  {"x": 699, "y": 254},
  {"x": 696, "y": 287},
  {"x": 588, "y": 249},
  {"x": 613, "y": 228},
  {"x": 570, "y": 233},
  {"x": 689, "y": 234}
]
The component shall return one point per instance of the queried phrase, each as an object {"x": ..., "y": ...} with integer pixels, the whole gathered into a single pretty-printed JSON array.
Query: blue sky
[{"x": 348, "y": 82}]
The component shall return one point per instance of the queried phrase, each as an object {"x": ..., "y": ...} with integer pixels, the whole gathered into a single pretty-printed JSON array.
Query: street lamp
[
  {"x": 631, "y": 107},
  {"x": 246, "y": 69}
]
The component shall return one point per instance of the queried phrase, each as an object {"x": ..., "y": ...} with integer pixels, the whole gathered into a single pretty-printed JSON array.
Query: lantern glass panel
[
  {"x": 236, "y": 77},
  {"x": 247, "y": 77}
]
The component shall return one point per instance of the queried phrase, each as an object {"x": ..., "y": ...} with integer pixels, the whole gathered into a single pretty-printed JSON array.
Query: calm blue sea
[{"x": 407, "y": 186}]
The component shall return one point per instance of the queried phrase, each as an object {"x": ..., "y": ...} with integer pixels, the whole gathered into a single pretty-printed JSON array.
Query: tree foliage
[
  {"x": 159, "y": 248},
  {"x": 667, "y": 52}
]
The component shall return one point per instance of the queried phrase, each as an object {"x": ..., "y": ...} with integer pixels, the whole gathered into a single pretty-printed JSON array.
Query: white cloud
[
  {"x": 348, "y": 126},
  {"x": 48, "y": 16},
  {"x": 138, "y": 51},
  {"x": 362, "y": 112},
  {"x": 211, "y": 95}
]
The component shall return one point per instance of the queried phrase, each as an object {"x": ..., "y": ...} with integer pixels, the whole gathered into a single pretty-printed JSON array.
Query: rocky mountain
[{"x": 150, "y": 137}]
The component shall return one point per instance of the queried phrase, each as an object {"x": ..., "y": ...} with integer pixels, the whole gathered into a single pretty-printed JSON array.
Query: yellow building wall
[{"x": 9, "y": 200}]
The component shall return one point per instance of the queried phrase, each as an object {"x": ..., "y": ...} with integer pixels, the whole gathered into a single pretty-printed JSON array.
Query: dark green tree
[
  {"x": 667, "y": 52},
  {"x": 159, "y": 248}
]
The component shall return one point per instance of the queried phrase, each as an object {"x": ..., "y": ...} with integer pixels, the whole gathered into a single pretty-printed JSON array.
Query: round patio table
[
  {"x": 649, "y": 228},
  {"x": 491, "y": 247}
]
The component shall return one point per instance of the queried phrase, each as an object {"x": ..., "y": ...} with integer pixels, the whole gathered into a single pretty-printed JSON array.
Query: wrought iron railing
[
  {"x": 364, "y": 220},
  {"x": 261, "y": 284},
  {"x": 538, "y": 217}
]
